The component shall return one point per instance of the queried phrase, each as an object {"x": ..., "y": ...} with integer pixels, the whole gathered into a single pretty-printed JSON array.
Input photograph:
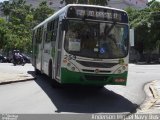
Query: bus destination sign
[{"x": 97, "y": 14}]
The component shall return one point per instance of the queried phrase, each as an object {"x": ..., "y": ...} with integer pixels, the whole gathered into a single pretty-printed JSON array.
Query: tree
[
  {"x": 42, "y": 12},
  {"x": 155, "y": 23},
  {"x": 5, "y": 8},
  {"x": 3, "y": 32},
  {"x": 16, "y": 33},
  {"x": 146, "y": 22}
]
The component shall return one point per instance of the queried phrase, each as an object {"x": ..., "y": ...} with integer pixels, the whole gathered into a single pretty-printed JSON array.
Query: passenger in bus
[
  {"x": 88, "y": 43},
  {"x": 108, "y": 46}
]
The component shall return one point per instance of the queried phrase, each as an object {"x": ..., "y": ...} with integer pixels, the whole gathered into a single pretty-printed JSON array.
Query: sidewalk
[
  {"x": 152, "y": 103},
  {"x": 6, "y": 78}
]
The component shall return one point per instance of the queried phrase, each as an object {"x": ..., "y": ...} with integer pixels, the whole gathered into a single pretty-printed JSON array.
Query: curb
[
  {"x": 152, "y": 100},
  {"x": 152, "y": 96},
  {"x": 16, "y": 81}
]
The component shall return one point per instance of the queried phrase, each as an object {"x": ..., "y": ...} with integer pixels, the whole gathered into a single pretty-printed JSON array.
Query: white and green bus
[{"x": 83, "y": 44}]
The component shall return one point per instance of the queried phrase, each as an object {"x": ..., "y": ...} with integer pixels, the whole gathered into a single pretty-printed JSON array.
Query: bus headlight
[
  {"x": 73, "y": 68},
  {"x": 70, "y": 66},
  {"x": 65, "y": 61},
  {"x": 124, "y": 67},
  {"x": 120, "y": 70}
]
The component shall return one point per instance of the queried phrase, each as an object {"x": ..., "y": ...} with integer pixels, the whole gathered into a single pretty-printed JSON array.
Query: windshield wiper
[{"x": 109, "y": 30}]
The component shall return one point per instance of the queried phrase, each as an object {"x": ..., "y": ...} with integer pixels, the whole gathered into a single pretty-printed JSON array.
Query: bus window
[
  {"x": 55, "y": 29},
  {"x": 49, "y": 33},
  {"x": 84, "y": 39},
  {"x": 38, "y": 35},
  {"x": 52, "y": 30}
]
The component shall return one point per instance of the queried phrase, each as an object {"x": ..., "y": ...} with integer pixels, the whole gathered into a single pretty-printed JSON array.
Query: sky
[{"x": 3, "y": 0}]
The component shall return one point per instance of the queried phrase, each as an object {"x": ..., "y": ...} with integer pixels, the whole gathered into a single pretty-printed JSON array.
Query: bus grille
[
  {"x": 98, "y": 78},
  {"x": 96, "y": 64},
  {"x": 93, "y": 71}
]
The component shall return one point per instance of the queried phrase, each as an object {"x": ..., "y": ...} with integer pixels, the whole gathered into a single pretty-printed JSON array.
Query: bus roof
[
  {"x": 64, "y": 9},
  {"x": 97, "y": 6}
]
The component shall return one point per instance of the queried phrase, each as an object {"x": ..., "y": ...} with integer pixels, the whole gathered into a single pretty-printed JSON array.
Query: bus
[{"x": 83, "y": 44}]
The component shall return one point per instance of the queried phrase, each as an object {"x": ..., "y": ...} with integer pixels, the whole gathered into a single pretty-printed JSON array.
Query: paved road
[
  {"x": 39, "y": 96},
  {"x": 137, "y": 77}
]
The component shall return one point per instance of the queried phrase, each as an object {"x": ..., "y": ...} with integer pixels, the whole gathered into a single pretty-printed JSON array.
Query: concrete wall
[{"x": 121, "y": 4}]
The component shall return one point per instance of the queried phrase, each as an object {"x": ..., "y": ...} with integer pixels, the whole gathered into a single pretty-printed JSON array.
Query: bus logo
[{"x": 97, "y": 71}]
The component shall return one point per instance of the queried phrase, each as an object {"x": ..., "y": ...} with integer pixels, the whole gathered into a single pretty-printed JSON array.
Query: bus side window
[
  {"x": 52, "y": 30},
  {"x": 35, "y": 36},
  {"x": 38, "y": 36},
  {"x": 55, "y": 29},
  {"x": 49, "y": 33},
  {"x": 49, "y": 36}
]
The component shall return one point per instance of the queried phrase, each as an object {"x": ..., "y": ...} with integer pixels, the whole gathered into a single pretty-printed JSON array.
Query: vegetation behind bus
[
  {"x": 146, "y": 24},
  {"x": 16, "y": 30}
]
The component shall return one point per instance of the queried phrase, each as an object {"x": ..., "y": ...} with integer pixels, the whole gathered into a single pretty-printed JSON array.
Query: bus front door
[{"x": 59, "y": 52}]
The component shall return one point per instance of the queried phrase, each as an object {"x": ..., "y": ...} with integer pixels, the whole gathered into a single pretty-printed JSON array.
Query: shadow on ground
[{"x": 79, "y": 99}]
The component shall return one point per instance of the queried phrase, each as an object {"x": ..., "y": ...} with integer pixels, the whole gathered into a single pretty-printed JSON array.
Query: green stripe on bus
[{"x": 70, "y": 77}]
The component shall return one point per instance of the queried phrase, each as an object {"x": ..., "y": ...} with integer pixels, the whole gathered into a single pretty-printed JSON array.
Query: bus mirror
[{"x": 64, "y": 24}]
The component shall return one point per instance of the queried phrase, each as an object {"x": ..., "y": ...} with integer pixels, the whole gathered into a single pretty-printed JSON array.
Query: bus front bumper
[{"x": 70, "y": 77}]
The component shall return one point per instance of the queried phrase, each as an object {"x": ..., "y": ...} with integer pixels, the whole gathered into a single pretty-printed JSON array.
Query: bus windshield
[{"x": 97, "y": 39}]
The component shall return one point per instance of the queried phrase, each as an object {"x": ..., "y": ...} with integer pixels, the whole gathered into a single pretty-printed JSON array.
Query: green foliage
[
  {"x": 146, "y": 23},
  {"x": 42, "y": 12},
  {"x": 16, "y": 32},
  {"x": 5, "y": 7},
  {"x": 155, "y": 6},
  {"x": 3, "y": 32}
]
